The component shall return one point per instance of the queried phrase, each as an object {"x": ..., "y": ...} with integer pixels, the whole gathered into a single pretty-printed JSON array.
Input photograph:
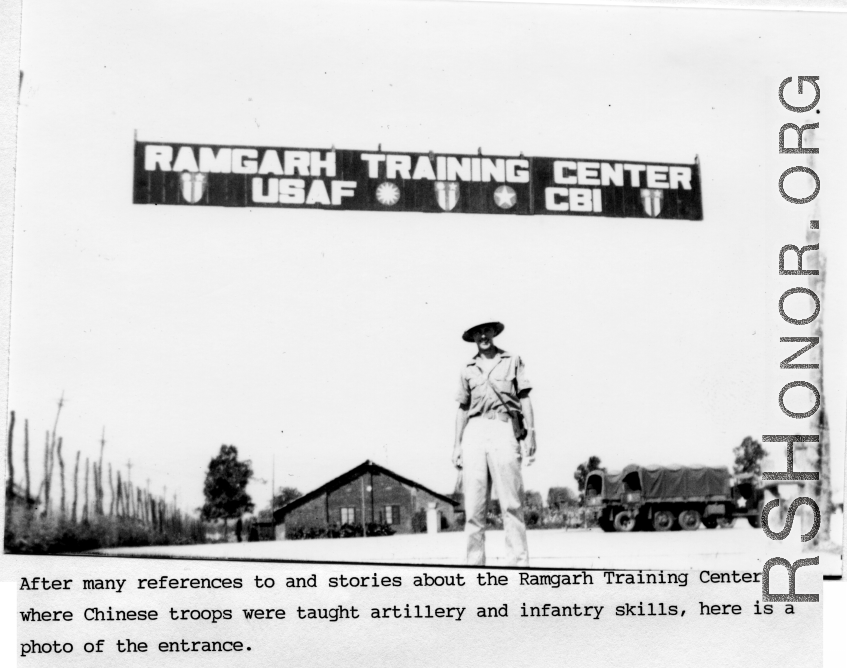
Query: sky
[{"x": 314, "y": 340}]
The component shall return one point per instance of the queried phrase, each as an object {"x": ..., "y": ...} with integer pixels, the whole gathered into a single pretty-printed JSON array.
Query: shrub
[
  {"x": 375, "y": 529},
  {"x": 29, "y": 533},
  {"x": 343, "y": 531},
  {"x": 532, "y": 517}
]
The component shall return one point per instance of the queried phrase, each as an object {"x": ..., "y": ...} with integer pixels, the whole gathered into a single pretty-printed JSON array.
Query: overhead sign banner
[{"x": 349, "y": 180}]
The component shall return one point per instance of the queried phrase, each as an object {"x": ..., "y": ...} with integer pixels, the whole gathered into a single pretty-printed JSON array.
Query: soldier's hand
[
  {"x": 457, "y": 456},
  {"x": 529, "y": 447}
]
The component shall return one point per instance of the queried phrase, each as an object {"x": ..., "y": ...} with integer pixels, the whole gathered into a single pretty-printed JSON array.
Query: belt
[{"x": 493, "y": 415}]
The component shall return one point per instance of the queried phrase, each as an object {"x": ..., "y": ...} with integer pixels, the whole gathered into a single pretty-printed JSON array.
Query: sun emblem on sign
[
  {"x": 505, "y": 197},
  {"x": 387, "y": 194}
]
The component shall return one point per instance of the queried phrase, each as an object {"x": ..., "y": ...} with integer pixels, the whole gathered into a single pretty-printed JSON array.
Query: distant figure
[
  {"x": 239, "y": 526},
  {"x": 494, "y": 429},
  {"x": 253, "y": 532}
]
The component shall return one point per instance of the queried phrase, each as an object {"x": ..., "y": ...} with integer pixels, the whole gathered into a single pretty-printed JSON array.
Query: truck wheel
[
  {"x": 606, "y": 525},
  {"x": 642, "y": 523},
  {"x": 755, "y": 522},
  {"x": 663, "y": 520},
  {"x": 624, "y": 521},
  {"x": 689, "y": 520},
  {"x": 710, "y": 522},
  {"x": 726, "y": 522}
]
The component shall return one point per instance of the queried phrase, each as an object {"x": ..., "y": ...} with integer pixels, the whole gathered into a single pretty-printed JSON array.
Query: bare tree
[
  {"x": 100, "y": 473},
  {"x": 76, "y": 481},
  {"x": 10, "y": 482},
  {"x": 111, "y": 493},
  {"x": 95, "y": 481},
  {"x": 120, "y": 500},
  {"x": 58, "y": 411},
  {"x": 85, "y": 516},
  {"x": 26, "y": 461},
  {"x": 48, "y": 473},
  {"x": 61, "y": 478},
  {"x": 49, "y": 457}
]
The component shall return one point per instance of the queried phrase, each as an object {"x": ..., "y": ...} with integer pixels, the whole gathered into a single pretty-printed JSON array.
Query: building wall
[
  {"x": 446, "y": 509},
  {"x": 310, "y": 514},
  {"x": 384, "y": 491},
  {"x": 389, "y": 492}
]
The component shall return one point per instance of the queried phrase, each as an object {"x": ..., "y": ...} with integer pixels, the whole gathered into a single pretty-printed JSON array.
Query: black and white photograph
[{"x": 428, "y": 283}]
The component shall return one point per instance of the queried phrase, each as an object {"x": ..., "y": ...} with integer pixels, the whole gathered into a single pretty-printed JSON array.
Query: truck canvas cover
[
  {"x": 658, "y": 482},
  {"x": 611, "y": 486}
]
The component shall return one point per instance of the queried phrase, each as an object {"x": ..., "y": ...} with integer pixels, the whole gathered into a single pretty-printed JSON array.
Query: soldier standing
[{"x": 494, "y": 430}]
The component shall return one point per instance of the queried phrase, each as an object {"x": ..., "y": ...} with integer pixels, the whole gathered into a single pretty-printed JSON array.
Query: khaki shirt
[{"x": 507, "y": 375}]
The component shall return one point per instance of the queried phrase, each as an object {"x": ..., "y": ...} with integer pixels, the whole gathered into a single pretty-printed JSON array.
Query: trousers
[{"x": 491, "y": 455}]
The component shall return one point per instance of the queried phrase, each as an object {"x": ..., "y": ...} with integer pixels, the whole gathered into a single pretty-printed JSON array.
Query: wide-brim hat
[{"x": 498, "y": 327}]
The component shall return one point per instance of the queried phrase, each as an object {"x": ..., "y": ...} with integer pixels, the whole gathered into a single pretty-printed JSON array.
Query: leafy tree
[
  {"x": 582, "y": 471},
  {"x": 748, "y": 456},
  {"x": 559, "y": 498},
  {"x": 225, "y": 486},
  {"x": 286, "y": 495},
  {"x": 283, "y": 496},
  {"x": 532, "y": 500}
]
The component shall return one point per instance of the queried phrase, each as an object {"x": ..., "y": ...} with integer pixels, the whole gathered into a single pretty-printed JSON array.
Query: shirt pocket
[
  {"x": 475, "y": 381},
  {"x": 505, "y": 386},
  {"x": 503, "y": 379}
]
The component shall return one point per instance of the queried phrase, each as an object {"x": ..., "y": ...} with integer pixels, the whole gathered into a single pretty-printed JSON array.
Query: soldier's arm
[
  {"x": 461, "y": 422},
  {"x": 529, "y": 422}
]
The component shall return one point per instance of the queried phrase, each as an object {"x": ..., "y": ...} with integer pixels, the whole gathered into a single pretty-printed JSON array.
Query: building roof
[{"x": 365, "y": 467}]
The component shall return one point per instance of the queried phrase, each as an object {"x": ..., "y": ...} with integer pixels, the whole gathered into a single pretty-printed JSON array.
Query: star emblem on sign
[
  {"x": 505, "y": 197},
  {"x": 387, "y": 194}
]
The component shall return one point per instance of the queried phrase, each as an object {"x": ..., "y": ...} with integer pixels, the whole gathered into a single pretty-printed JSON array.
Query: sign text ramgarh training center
[{"x": 190, "y": 174}]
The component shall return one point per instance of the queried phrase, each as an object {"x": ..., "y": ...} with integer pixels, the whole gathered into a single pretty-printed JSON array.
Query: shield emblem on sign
[
  {"x": 447, "y": 194},
  {"x": 193, "y": 184},
  {"x": 651, "y": 200}
]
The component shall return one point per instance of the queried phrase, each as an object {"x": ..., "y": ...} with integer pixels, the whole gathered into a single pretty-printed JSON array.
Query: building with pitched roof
[{"x": 367, "y": 491}]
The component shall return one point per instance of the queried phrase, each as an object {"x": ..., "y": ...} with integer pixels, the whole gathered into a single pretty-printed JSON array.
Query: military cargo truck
[{"x": 663, "y": 498}]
